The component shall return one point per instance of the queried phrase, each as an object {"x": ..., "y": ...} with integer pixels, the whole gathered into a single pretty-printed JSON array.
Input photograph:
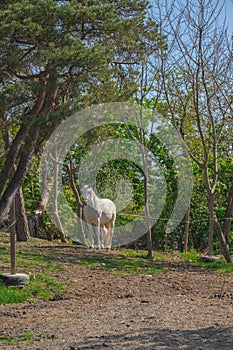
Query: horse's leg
[
  {"x": 112, "y": 225},
  {"x": 92, "y": 234},
  {"x": 103, "y": 234},
  {"x": 98, "y": 233},
  {"x": 107, "y": 243}
]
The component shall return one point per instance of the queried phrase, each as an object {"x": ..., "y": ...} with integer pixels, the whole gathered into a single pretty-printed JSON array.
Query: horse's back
[
  {"x": 106, "y": 206},
  {"x": 106, "y": 211}
]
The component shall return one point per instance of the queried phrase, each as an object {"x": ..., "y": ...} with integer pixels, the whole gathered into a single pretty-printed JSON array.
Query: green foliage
[
  {"x": 77, "y": 43},
  {"x": 220, "y": 266},
  {"x": 93, "y": 51},
  {"x": 58, "y": 57},
  {"x": 31, "y": 186},
  {"x": 191, "y": 256}
]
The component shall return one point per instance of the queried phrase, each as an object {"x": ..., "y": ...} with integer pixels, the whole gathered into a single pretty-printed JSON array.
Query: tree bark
[
  {"x": 8, "y": 167},
  {"x": 147, "y": 215},
  {"x": 55, "y": 204},
  {"x": 13, "y": 237},
  {"x": 22, "y": 229},
  {"x": 78, "y": 202},
  {"x": 43, "y": 105},
  {"x": 186, "y": 229},
  {"x": 15, "y": 146},
  {"x": 228, "y": 217},
  {"x": 211, "y": 222},
  {"x": 19, "y": 175},
  {"x": 19, "y": 215},
  {"x": 222, "y": 240},
  {"x": 34, "y": 219},
  {"x": 146, "y": 204}
]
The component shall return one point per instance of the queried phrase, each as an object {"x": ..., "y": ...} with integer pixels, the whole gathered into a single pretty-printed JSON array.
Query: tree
[
  {"x": 197, "y": 80},
  {"x": 18, "y": 210},
  {"x": 57, "y": 57}
]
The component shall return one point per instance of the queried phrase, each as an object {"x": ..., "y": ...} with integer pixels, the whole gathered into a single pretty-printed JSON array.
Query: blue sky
[{"x": 229, "y": 14}]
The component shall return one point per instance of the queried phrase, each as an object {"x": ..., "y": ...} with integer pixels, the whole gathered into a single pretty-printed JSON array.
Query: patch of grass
[
  {"x": 58, "y": 268},
  {"x": 4, "y": 254},
  {"x": 39, "y": 287},
  {"x": 218, "y": 265},
  {"x": 122, "y": 264},
  {"x": 191, "y": 256},
  {"x": 32, "y": 261},
  {"x": 44, "y": 287},
  {"x": 142, "y": 254},
  {"x": 3, "y": 250},
  {"x": 24, "y": 337},
  {"x": 12, "y": 295}
]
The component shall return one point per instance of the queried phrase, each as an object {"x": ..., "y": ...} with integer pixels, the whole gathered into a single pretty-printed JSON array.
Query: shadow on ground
[
  {"x": 110, "y": 259},
  {"x": 213, "y": 338}
]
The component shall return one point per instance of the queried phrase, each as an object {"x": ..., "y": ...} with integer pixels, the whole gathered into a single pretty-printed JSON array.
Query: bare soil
[{"x": 177, "y": 308}]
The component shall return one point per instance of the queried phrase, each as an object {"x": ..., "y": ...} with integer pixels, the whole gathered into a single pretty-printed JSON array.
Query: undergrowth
[{"x": 218, "y": 265}]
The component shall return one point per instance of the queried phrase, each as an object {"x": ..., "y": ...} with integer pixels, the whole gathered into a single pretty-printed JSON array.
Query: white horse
[{"x": 102, "y": 213}]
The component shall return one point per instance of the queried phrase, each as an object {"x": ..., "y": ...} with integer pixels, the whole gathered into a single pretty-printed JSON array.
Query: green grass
[
  {"x": 4, "y": 254},
  {"x": 142, "y": 254},
  {"x": 41, "y": 285},
  {"x": 24, "y": 337},
  {"x": 191, "y": 256},
  {"x": 32, "y": 261},
  {"x": 137, "y": 264},
  {"x": 44, "y": 287},
  {"x": 12, "y": 295},
  {"x": 219, "y": 265}
]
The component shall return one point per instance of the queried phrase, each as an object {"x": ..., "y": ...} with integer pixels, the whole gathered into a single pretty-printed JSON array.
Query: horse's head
[{"x": 87, "y": 194}]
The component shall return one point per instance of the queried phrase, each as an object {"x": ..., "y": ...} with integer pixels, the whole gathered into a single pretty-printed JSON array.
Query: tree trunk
[
  {"x": 228, "y": 217},
  {"x": 8, "y": 167},
  {"x": 80, "y": 225},
  {"x": 34, "y": 219},
  {"x": 186, "y": 229},
  {"x": 147, "y": 215},
  {"x": 12, "y": 230},
  {"x": 55, "y": 205},
  {"x": 211, "y": 222},
  {"x": 223, "y": 244},
  {"x": 21, "y": 227},
  {"x": 43, "y": 105},
  {"x": 78, "y": 202},
  {"x": 147, "y": 210},
  {"x": 19, "y": 175},
  {"x": 12, "y": 148}
]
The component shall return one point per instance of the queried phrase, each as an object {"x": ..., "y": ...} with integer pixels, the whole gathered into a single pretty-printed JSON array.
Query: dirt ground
[{"x": 173, "y": 309}]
